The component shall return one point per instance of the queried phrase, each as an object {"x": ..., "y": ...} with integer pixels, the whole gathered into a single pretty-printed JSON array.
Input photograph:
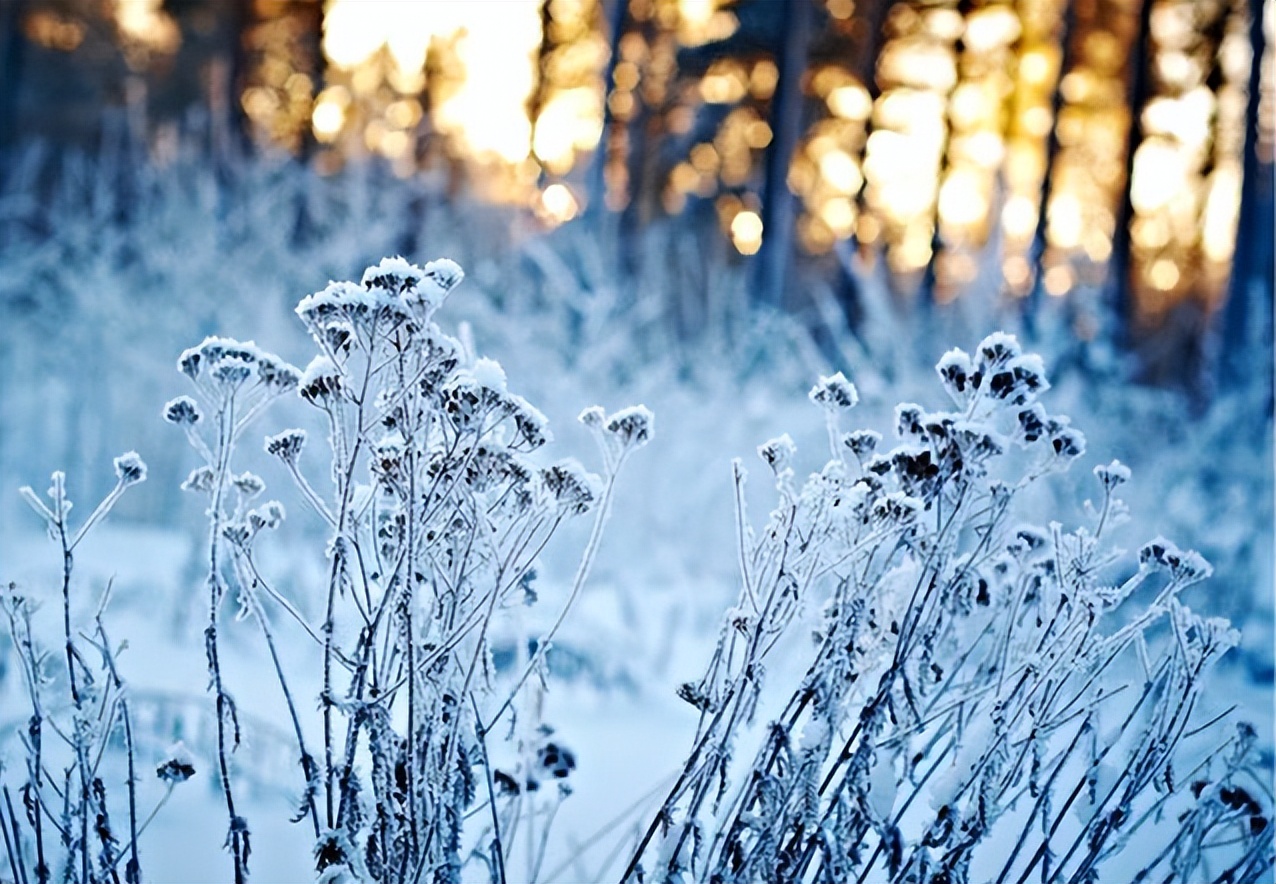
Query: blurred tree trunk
[
  {"x": 596, "y": 193},
  {"x": 1249, "y": 297},
  {"x": 772, "y": 267},
  {"x": 1119, "y": 296},
  {"x": 1037, "y": 251},
  {"x": 12, "y": 48}
]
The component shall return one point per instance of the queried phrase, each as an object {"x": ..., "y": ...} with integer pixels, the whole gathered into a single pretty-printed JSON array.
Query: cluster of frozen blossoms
[
  {"x": 965, "y": 712},
  {"x": 437, "y": 507}
]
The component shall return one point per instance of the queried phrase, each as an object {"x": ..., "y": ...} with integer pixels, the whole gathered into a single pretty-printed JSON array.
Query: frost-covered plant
[
  {"x": 79, "y": 706},
  {"x": 966, "y": 711},
  {"x": 437, "y": 511}
]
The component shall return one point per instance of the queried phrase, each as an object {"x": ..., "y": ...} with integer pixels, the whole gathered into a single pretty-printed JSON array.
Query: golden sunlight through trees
[{"x": 1025, "y": 148}]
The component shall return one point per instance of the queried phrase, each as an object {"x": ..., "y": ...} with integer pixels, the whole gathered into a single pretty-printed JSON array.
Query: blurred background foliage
[{"x": 1007, "y": 150}]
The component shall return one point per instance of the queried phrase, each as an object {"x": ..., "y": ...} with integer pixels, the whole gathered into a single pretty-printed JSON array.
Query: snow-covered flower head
[
  {"x": 955, "y": 372},
  {"x": 396, "y": 276},
  {"x": 1113, "y": 474},
  {"x": 320, "y": 382},
  {"x": 130, "y": 468},
  {"x": 631, "y": 427},
  {"x": 574, "y": 490},
  {"x": 182, "y": 411},
  {"x": 862, "y": 443},
  {"x": 445, "y": 274},
  {"x": 470, "y": 396},
  {"x": 1067, "y": 442},
  {"x": 593, "y": 417},
  {"x": 201, "y": 479},
  {"x": 995, "y": 352},
  {"x": 1184, "y": 566},
  {"x": 778, "y": 453},
  {"x": 834, "y": 393},
  {"x": 248, "y": 484},
  {"x": 286, "y": 445},
  {"x": 532, "y": 426},
  {"x": 275, "y": 374},
  {"x": 1019, "y": 381},
  {"x": 179, "y": 767},
  {"x": 910, "y": 421},
  {"x": 897, "y": 509},
  {"x": 269, "y": 515},
  {"x": 227, "y": 365},
  {"x": 387, "y": 455}
]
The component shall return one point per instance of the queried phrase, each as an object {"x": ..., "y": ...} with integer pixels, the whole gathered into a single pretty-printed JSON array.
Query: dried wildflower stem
[
  {"x": 583, "y": 569},
  {"x": 12, "y": 844},
  {"x": 237, "y": 831},
  {"x": 498, "y": 848},
  {"x": 133, "y": 870},
  {"x": 79, "y": 742},
  {"x": 249, "y": 585}
]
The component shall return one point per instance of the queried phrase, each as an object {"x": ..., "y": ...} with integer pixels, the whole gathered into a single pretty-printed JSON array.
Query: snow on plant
[
  {"x": 436, "y": 513},
  {"x": 965, "y": 713},
  {"x": 79, "y": 708}
]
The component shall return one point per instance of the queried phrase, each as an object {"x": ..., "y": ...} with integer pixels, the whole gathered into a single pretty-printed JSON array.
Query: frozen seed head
[
  {"x": 248, "y": 484},
  {"x": 320, "y": 382},
  {"x": 238, "y": 533},
  {"x": 276, "y": 375},
  {"x": 1028, "y": 544},
  {"x": 976, "y": 441},
  {"x": 271, "y": 515},
  {"x": 995, "y": 351},
  {"x": 1184, "y": 566},
  {"x": 1019, "y": 381},
  {"x": 205, "y": 359},
  {"x": 778, "y": 453},
  {"x": 337, "y": 336},
  {"x": 955, "y": 373},
  {"x": 387, "y": 455},
  {"x": 1030, "y": 425},
  {"x": 574, "y": 490},
  {"x": 862, "y": 443},
  {"x": 1067, "y": 442},
  {"x": 200, "y": 480},
  {"x": 558, "y": 761},
  {"x": 130, "y": 469},
  {"x": 178, "y": 768},
  {"x": 910, "y": 421},
  {"x": 182, "y": 411},
  {"x": 897, "y": 509},
  {"x": 287, "y": 445},
  {"x": 593, "y": 417},
  {"x": 1113, "y": 474},
  {"x": 531, "y": 425},
  {"x": 337, "y": 302},
  {"x": 394, "y": 275},
  {"x": 231, "y": 372},
  {"x": 631, "y": 427},
  {"x": 445, "y": 273},
  {"x": 834, "y": 393}
]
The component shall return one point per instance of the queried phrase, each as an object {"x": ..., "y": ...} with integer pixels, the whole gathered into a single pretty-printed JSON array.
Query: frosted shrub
[
  {"x": 967, "y": 711},
  {"x": 437, "y": 505},
  {"x": 71, "y": 824}
]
